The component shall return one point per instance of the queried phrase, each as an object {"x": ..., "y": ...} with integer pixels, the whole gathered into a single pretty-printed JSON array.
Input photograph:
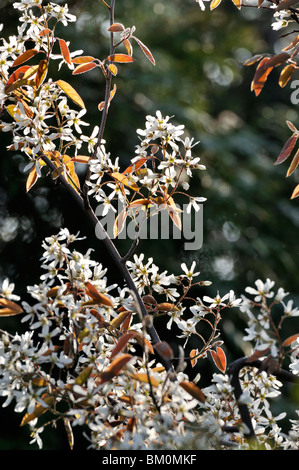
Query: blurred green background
[{"x": 250, "y": 226}]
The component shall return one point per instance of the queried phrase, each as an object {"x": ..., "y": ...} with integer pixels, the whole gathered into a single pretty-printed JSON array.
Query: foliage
[{"x": 91, "y": 356}]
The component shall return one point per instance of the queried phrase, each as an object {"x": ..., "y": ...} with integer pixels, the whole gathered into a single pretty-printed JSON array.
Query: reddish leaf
[
  {"x": 44, "y": 32},
  {"x": 254, "y": 59},
  {"x": 135, "y": 166},
  {"x": 219, "y": 358},
  {"x": 117, "y": 321},
  {"x": 122, "y": 58},
  {"x": 113, "y": 69},
  {"x": 145, "y": 50},
  {"x": 143, "y": 377},
  {"x": 295, "y": 192},
  {"x": 164, "y": 350},
  {"x": 122, "y": 343},
  {"x": 18, "y": 74},
  {"x": 294, "y": 164},
  {"x": 128, "y": 46},
  {"x": 97, "y": 296},
  {"x": 9, "y": 308},
  {"x": 116, "y": 27},
  {"x": 287, "y": 149},
  {"x": 65, "y": 51},
  {"x": 257, "y": 355},
  {"x": 286, "y": 74},
  {"x": 83, "y": 59},
  {"x": 41, "y": 72},
  {"x": 290, "y": 340},
  {"x": 285, "y": 4},
  {"x": 84, "y": 68},
  {"x": 31, "y": 179},
  {"x": 70, "y": 92},
  {"x": 261, "y": 75},
  {"x": 24, "y": 57},
  {"x": 119, "y": 223},
  {"x": 193, "y": 390},
  {"x": 39, "y": 409},
  {"x": 193, "y": 353},
  {"x": 115, "y": 368}
]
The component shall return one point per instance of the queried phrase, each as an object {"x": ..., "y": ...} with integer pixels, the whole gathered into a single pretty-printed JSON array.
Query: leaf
[
  {"x": 81, "y": 158},
  {"x": 113, "y": 69},
  {"x": 164, "y": 350},
  {"x": 294, "y": 164},
  {"x": 122, "y": 58},
  {"x": 292, "y": 44},
  {"x": 9, "y": 308},
  {"x": 70, "y": 92},
  {"x": 128, "y": 47},
  {"x": 119, "y": 223},
  {"x": 44, "y": 32},
  {"x": 257, "y": 355},
  {"x": 24, "y": 57},
  {"x": 117, "y": 321},
  {"x": 143, "y": 377},
  {"x": 290, "y": 340},
  {"x": 95, "y": 295},
  {"x": 286, "y": 74},
  {"x": 101, "y": 106},
  {"x": 125, "y": 181},
  {"x": 122, "y": 343},
  {"x": 291, "y": 126},
  {"x": 295, "y": 192},
  {"x": 145, "y": 50},
  {"x": 254, "y": 59},
  {"x": 20, "y": 78},
  {"x": 41, "y": 72},
  {"x": 65, "y": 51},
  {"x": 16, "y": 75},
  {"x": 166, "y": 307},
  {"x": 116, "y": 27},
  {"x": 38, "y": 410},
  {"x": 193, "y": 353},
  {"x": 287, "y": 149},
  {"x": 237, "y": 3},
  {"x": 193, "y": 390},
  {"x": 84, "y": 375},
  {"x": 31, "y": 179},
  {"x": 72, "y": 175},
  {"x": 219, "y": 358},
  {"x": 214, "y": 4},
  {"x": 264, "y": 68},
  {"x": 115, "y": 368},
  {"x": 83, "y": 59},
  {"x": 82, "y": 68},
  {"x": 136, "y": 165}
]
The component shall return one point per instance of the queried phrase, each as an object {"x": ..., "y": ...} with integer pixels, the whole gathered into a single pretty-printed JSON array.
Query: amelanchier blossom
[{"x": 86, "y": 358}]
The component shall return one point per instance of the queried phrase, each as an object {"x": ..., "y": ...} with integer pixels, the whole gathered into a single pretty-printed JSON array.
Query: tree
[{"x": 91, "y": 355}]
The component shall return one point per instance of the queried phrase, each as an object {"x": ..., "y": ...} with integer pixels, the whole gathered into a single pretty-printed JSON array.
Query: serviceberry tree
[{"x": 92, "y": 357}]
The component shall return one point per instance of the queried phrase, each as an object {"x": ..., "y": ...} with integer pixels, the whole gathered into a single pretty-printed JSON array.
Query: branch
[
  {"x": 118, "y": 260},
  {"x": 233, "y": 373}
]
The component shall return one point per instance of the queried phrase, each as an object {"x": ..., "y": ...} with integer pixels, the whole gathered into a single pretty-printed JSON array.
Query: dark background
[{"x": 250, "y": 225}]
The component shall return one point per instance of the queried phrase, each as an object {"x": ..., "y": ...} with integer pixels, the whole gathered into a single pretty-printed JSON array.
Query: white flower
[
  {"x": 7, "y": 290},
  {"x": 262, "y": 290},
  {"x": 189, "y": 273}
]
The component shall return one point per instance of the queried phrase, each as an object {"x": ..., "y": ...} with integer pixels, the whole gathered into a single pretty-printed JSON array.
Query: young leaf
[
  {"x": 125, "y": 181},
  {"x": 38, "y": 410},
  {"x": 214, "y": 4},
  {"x": 16, "y": 75},
  {"x": 261, "y": 75},
  {"x": 81, "y": 158},
  {"x": 31, "y": 179},
  {"x": 122, "y": 343},
  {"x": 84, "y": 375},
  {"x": 41, "y": 73},
  {"x": 113, "y": 69},
  {"x": 294, "y": 164},
  {"x": 84, "y": 59},
  {"x": 254, "y": 59},
  {"x": 143, "y": 377},
  {"x": 237, "y": 3},
  {"x": 115, "y": 368},
  {"x": 193, "y": 390},
  {"x": 70, "y": 92},
  {"x": 287, "y": 149},
  {"x": 24, "y": 57},
  {"x": 164, "y": 350},
  {"x": 9, "y": 308},
  {"x": 145, "y": 50},
  {"x": 290, "y": 340},
  {"x": 135, "y": 166},
  {"x": 122, "y": 58},
  {"x": 65, "y": 51},
  {"x": 295, "y": 192},
  {"x": 85, "y": 67},
  {"x": 44, "y": 32},
  {"x": 285, "y": 4},
  {"x": 193, "y": 353},
  {"x": 219, "y": 358},
  {"x": 286, "y": 74},
  {"x": 117, "y": 321},
  {"x": 116, "y": 28},
  {"x": 97, "y": 296},
  {"x": 119, "y": 223}
]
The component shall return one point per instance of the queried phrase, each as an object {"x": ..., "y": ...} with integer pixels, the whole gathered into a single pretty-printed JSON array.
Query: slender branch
[
  {"x": 118, "y": 260},
  {"x": 233, "y": 373}
]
